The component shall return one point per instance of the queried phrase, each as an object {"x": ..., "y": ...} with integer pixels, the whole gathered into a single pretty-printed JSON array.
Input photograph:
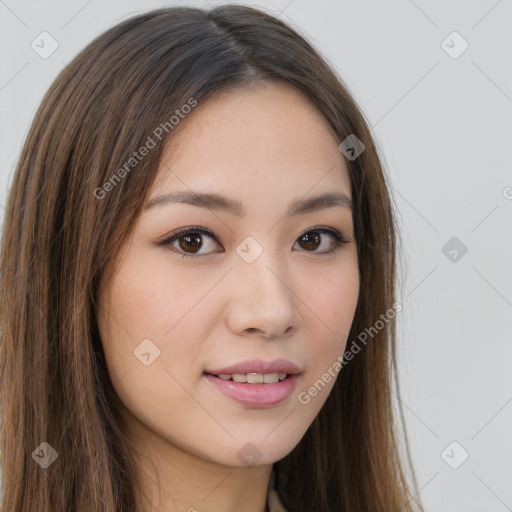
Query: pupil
[
  {"x": 190, "y": 241},
  {"x": 311, "y": 238}
]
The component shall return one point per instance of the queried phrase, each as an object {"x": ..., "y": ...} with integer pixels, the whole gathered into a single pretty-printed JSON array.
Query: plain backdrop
[{"x": 434, "y": 81}]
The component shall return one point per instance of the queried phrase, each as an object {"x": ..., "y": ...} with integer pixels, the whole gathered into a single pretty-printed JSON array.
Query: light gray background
[{"x": 444, "y": 126}]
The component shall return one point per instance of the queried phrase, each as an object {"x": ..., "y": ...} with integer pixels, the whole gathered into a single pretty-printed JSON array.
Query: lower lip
[{"x": 255, "y": 395}]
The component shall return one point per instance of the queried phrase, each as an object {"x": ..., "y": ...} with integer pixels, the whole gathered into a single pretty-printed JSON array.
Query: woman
[{"x": 198, "y": 281}]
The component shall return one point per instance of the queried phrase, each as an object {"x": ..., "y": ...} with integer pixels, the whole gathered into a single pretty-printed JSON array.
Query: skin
[{"x": 264, "y": 146}]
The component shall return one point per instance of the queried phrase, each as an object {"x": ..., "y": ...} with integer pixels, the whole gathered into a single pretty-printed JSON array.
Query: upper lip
[{"x": 258, "y": 366}]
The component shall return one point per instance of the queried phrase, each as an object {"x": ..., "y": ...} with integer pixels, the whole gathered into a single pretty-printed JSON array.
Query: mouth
[
  {"x": 255, "y": 390},
  {"x": 255, "y": 370},
  {"x": 252, "y": 378}
]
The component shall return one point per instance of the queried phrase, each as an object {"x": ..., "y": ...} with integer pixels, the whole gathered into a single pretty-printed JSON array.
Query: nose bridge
[
  {"x": 265, "y": 275},
  {"x": 263, "y": 299},
  {"x": 260, "y": 267}
]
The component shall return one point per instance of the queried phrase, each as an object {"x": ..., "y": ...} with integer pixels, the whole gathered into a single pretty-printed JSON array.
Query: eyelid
[
  {"x": 338, "y": 235},
  {"x": 169, "y": 239},
  {"x": 187, "y": 229}
]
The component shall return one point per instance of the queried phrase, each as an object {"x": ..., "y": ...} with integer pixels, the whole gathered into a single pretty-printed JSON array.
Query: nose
[{"x": 263, "y": 302}]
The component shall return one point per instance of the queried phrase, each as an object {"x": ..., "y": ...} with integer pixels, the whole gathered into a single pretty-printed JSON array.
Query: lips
[
  {"x": 256, "y": 383},
  {"x": 259, "y": 367}
]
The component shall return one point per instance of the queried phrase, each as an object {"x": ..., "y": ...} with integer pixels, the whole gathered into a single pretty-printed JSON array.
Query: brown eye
[
  {"x": 311, "y": 240},
  {"x": 190, "y": 243}
]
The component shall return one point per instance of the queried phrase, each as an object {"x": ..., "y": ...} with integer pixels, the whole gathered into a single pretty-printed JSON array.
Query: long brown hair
[{"x": 61, "y": 229}]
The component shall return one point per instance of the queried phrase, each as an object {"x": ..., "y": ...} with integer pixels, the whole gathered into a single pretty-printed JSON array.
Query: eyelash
[{"x": 338, "y": 237}]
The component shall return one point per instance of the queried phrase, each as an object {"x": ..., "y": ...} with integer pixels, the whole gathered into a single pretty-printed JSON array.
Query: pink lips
[{"x": 256, "y": 395}]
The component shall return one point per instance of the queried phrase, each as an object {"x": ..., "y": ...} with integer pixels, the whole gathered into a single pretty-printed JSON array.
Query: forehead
[{"x": 266, "y": 138}]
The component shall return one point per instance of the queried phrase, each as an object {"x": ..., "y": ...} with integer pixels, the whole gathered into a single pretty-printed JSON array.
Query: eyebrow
[{"x": 221, "y": 203}]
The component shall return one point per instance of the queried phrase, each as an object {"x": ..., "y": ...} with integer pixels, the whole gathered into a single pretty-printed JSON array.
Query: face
[{"x": 254, "y": 283}]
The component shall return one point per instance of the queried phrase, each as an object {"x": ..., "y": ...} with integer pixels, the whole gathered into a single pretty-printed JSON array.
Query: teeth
[{"x": 254, "y": 378}]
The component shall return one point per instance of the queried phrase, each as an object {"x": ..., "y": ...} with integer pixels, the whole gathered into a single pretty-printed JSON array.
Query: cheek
[
  {"x": 331, "y": 309},
  {"x": 330, "y": 305},
  {"x": 151, "y": 298},
  {"x": 171, "y": 309},
  {"x": 152, "y": 340},
  {"x": 333, "y": 297}
]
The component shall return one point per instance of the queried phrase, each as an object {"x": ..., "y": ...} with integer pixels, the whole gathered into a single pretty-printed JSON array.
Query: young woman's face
[{"x": 270, "y": 291}]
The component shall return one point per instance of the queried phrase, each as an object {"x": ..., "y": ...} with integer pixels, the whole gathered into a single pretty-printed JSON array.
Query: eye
[
  {"x": 312, "y": 239},
  {"x": 187, "y": 242}
]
